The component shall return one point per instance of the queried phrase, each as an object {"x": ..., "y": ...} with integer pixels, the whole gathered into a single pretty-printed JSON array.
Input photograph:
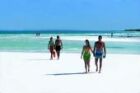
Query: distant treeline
[{"x": 132, "y": 29}]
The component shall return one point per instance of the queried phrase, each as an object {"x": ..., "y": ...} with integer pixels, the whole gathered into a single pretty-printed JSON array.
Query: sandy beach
[
  {"x": 36, "y": 73},
  {"x": 31, "y": 29}
]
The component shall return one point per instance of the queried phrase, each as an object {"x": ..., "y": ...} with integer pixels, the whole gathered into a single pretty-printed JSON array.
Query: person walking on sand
[
  {"x": 99, "y": 52},
  {"x": 86, "y": 54},
  {"x": 51, "y": 48},
  {"x": 58, "y": 46}
]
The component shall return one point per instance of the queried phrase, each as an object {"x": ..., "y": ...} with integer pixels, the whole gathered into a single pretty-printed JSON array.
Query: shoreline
[{"x": 47, "y": 53}]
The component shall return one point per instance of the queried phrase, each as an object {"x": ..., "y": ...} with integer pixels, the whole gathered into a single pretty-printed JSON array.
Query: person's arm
[
  {"x": 91, "y": 49},
  {"x": 49, "y": 45},
  {"x": 61, "y": 44},
  {"x": 82, "y": 52},
  {"x": 94, "y": 49},
  {"x": 55, "y": 44},
  {"x": 104, "y": 50}
]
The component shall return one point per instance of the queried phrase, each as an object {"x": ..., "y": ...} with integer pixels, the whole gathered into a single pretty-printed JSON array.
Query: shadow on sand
[{"x": 76, "y": 73}]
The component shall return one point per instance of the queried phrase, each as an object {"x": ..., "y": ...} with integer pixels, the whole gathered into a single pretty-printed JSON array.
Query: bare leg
[
  {"x": 85, "y": 67},
  {"x": 51, "y": 55},
  {"x": 100, "y": 65},
  {"x": 88, "y": 64},
  {"x": 58, "y": 54},
  {"x": 96, "y": 64}
]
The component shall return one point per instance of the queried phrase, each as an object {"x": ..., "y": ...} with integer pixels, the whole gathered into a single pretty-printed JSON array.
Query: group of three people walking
[{"x": 99, "y": 52}]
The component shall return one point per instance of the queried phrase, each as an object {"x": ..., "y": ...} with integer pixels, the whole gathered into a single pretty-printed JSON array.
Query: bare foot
[
  {"x": 88, "y": 70},
  {"x": 96, "y": 69}
]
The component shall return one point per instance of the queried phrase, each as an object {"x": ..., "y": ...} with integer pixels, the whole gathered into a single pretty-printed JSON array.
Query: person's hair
[
  {"x": 57, "y": 37},
  {"x": 87, "y": 43},
  {"x": 99, "y": 37},
  {"x": 51, "y": 37}
]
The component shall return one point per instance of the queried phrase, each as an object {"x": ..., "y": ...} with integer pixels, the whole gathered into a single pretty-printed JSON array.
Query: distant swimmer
[
  {"x": 37, "y": 34},
  {"x": 58, "y": 46},
  {"x": 86, "y": 55},
  {"x": 99, "y": 52},
  {"x": 51, "y": 46}
]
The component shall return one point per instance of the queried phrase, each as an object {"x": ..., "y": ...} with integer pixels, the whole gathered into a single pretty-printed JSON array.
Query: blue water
[{"x": 29, "y": 42}]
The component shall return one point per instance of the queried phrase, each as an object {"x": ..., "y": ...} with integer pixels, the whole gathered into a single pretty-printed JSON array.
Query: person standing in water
[
  {"x": 99, "y": 52},
  {"x": 51, "y": 48},
  {"x": 86, "y": 54},
  {"x": 58, "y": 46}
]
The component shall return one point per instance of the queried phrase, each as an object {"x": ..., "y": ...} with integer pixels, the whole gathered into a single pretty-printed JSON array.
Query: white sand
[{"x": 35, "y": 73}]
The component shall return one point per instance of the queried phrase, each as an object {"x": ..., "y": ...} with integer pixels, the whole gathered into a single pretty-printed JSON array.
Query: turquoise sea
[{"x": 121, "y": 42}]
